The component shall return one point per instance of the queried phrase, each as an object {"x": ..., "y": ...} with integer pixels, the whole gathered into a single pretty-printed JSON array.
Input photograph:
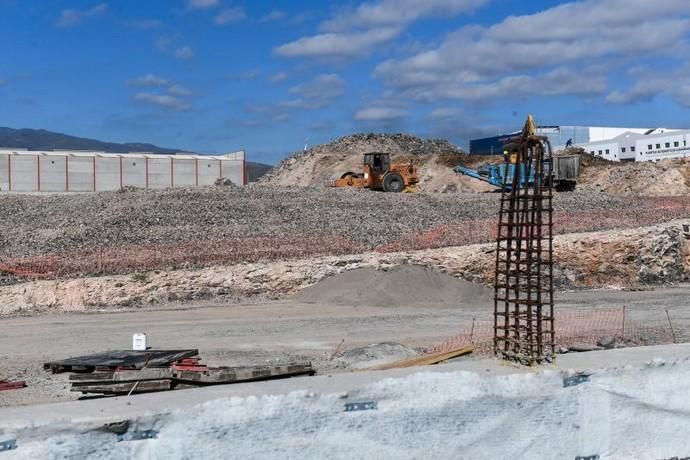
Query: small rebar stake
[{"x": 523, "y": 290}]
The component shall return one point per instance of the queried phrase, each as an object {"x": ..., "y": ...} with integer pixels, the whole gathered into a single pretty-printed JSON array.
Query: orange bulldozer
[{"x": 380, "y": 174}]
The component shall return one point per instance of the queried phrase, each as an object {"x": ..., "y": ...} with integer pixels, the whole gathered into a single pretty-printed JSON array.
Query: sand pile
[{"x": 402, "y": 286}]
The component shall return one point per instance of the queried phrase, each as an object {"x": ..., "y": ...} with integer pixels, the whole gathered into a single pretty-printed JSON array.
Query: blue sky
[{"x": 220, "y": 75}]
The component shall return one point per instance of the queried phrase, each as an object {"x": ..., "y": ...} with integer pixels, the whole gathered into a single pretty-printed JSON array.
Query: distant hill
[{"x": 40, "y": 139}]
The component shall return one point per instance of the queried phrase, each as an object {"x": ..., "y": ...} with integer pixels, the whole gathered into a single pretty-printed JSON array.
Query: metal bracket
[
  {"x": 10, "y": 444},
  {"x": 138, "y": 435},
  {"x": 571, "y": 382},
  {"x": 367, "y": 405}
]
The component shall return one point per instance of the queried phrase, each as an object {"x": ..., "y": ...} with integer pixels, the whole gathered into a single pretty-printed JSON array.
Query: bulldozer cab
[{"x": 378, "y": 162}]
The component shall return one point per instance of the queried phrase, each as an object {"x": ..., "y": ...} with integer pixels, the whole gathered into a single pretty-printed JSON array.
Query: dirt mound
[
  {"x": 406, "y": 285},
  {"x": 327, "y": 161},
  {"x": 665, "y": 178}
]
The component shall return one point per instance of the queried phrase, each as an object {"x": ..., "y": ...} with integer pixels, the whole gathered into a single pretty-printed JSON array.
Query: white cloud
[
  {"x": 148, "y": 80},
  {"x": 551, "y": 52},
  {"x": 179, "y": 90},
  {"x": 338, "y": 44},
  {"x": 273, "y": 16},
  {"x": 650, "y": 84},
  {"x": 72, "y": 17},
  {"x": 380, "y": 114},
  {"x": 396, "y": 13},
  {"x": 357, "y": 32},
  {"x": 278, "y": 77},
  {"x": 201, "y": 4},
  {"x": 230, "y": 15},
  {"x": 185, "y": 52},
  {"x": 317, "y": 93},
  {"x": 161, "y": 100},
  {"x": 441, "y": 113}
]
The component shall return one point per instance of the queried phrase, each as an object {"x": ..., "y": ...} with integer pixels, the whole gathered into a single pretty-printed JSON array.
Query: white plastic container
[{"x": 139, "y": 341}]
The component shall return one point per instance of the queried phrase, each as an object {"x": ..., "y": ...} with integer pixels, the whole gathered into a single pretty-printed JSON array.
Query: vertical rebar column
[{"x": 523, "y": 287}]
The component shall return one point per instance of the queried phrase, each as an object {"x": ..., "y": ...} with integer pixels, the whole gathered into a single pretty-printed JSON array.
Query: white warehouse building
[
  {"x": 632, "y": 146},
  {"x": 79, "y": 171}
]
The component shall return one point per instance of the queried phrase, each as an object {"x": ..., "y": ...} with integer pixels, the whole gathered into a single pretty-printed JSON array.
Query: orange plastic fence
[
  {"x": 94, "y": 261},
  {"x": 574, "y": 326}
]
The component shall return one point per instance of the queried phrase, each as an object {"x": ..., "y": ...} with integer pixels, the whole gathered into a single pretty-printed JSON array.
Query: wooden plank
[
  {"x": 120, "y": 358},
  {"x": 148, "y": 373},
  {"x": 223, "y": 375},
  {"x": 124, "y": 387},
  {"x": 424, "y": 360}
]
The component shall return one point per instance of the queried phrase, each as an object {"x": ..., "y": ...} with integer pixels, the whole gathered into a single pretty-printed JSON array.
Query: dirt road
[{"x": 232, "y": 335}]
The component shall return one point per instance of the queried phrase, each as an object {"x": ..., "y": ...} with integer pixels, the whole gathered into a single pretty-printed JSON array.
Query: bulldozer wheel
[{"x": 393, "y": 182}]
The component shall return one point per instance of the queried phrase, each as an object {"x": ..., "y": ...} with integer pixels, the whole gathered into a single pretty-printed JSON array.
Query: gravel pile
[{"x": 47, "y": 224}]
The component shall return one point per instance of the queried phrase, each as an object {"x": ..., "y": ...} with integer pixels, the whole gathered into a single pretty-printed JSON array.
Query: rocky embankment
[{"x": 619, "y": 259}]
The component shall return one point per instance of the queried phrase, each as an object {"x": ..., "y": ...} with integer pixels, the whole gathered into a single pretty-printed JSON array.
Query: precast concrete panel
[
  {"x": 53, "y": 173},
  {"x": 80, "y": 173},
  {"x": 233, "y": 170},
  {"x": 134, "y": 172},
  {"x": 209, "y": 171},
  {"x": 159, "y": 172},
  {"x": 24, "y": 173},
  {"x": 4, "y": 172},
  {"x": 184, "y": 173},
  {"x": 107, "y": 173}
]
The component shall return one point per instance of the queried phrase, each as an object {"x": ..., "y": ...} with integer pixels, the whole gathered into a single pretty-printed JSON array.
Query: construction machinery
[
  {"x": 379, "y": 174},
  {"x": 564, "y": 171}
]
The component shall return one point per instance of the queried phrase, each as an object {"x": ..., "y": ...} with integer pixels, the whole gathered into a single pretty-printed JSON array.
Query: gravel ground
[{"x": 45, "y": 224}]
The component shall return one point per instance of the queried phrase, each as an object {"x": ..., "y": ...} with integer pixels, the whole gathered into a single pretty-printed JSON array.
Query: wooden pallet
[{"x": 128, "y": 359}]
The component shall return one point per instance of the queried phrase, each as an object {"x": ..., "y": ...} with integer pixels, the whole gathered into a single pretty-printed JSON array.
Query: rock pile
[{"x": 49, "y": 224}]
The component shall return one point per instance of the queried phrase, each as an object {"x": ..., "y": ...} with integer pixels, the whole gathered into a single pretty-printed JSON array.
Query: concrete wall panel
[
  {"x": 53, "y": 173},
  {"x": 159, "y": 172},
  {"x": 209, "y": 171},
  {"x": 80, "y": 174},
  {"x": 107, "y": 173},
  {"x": 25, "y": 173},
  {"x": 134, "y": 172},
  {"x": 233, "y": 170},
  {"x": 184, "y": 173},
  {"x": 4, "y": 172}
]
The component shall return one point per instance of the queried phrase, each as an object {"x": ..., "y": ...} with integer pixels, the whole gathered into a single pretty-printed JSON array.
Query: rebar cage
[{"x": 523, "y": 290}]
